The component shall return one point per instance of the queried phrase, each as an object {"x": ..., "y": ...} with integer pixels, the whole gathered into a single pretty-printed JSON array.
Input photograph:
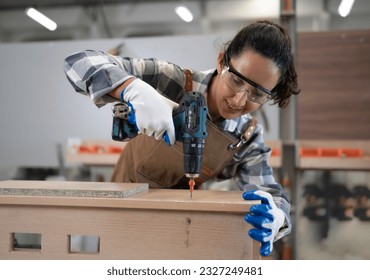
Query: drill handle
[{"x": 190, "y": 118}]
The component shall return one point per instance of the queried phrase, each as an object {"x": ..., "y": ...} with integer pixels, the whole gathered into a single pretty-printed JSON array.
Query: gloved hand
[
  {"x": 153, "y": 112},
  {"x": 266, "y": 218}
]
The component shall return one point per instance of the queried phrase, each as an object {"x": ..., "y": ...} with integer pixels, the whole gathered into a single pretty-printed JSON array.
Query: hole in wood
[
  {"x": 23, "y": 241},
  {"x": 84, "y": 244}
]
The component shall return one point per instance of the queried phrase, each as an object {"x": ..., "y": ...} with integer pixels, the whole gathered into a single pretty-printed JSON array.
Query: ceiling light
[
  {"x": 184, "y": 13},
  {"x": 41, "y": 18},
  {"x": 345, "y": 7}
]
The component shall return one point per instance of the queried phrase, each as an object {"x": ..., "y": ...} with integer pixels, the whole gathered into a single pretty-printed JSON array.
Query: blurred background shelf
[
  {"x": 94, "y": 152},
  {"x": 333, "y": 154}
]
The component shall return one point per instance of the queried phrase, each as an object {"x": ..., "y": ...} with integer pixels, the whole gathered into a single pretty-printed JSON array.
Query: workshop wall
[{"x": 334, "y": 75}]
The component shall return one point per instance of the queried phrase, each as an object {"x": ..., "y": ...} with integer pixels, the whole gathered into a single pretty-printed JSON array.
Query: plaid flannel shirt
[{"x": 95, "y": 73}]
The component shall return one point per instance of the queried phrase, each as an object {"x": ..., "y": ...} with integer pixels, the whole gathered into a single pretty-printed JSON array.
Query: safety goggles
[{"x": 236, "y": 81}]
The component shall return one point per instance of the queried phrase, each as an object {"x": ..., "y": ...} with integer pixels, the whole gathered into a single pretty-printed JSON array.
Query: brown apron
[{"x": 146, "y": 160}]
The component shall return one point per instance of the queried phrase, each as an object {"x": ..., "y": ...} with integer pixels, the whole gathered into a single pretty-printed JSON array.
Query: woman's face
[{"x": 228, "y": 94}]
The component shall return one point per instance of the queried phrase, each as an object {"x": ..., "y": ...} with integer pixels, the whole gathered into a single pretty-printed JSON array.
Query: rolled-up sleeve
[{"x": 95, "y": 74}]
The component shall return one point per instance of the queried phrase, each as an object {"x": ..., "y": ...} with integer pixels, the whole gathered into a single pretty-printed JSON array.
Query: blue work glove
[{"x": 266, "y": 218}]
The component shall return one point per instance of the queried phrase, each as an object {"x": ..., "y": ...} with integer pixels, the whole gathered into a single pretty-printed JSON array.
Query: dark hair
[{"x": 271, "y": 41}]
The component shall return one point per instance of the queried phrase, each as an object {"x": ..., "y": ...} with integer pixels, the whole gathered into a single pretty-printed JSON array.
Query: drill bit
[{"x": 191, "y": 185}]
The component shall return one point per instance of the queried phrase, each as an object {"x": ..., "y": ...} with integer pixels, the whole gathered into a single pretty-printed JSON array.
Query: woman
[{"x": 256, "y": 66}]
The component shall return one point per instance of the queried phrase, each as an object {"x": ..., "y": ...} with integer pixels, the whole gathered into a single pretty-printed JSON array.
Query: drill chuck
[{"x": 193, "y": 154}]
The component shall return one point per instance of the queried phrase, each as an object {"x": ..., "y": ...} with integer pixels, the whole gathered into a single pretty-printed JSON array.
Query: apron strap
[{"x": 188, "y": 80}]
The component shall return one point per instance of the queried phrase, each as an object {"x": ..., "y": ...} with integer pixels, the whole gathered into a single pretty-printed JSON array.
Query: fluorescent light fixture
[
  {"x": 184, "y": 13},
  {"x": 41, "y": 18},
  {"x": 345, "y": 7}
]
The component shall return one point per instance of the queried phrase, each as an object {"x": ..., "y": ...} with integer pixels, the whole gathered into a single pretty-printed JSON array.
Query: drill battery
[{"x": 124, "y": 126}]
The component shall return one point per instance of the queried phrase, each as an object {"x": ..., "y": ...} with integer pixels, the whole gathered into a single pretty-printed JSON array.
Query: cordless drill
[{"x": 189, "y": 119}]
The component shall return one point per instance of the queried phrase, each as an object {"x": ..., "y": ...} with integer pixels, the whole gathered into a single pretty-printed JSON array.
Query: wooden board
[
  {"x": 69, "y": 189},
  {"x": 155, "y": 224},
  {"x": 334, "y": 75}
]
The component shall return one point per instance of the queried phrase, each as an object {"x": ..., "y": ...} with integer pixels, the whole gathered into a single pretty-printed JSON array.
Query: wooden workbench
[{"x": 129, "y": 220}]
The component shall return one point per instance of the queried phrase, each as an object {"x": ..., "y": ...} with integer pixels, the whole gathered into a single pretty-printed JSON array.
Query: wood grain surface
[
  {"x": 153, "y": 224},
  {"x": 334, "y": 75}
]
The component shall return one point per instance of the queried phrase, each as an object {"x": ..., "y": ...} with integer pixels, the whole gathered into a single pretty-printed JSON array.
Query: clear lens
[{"x": 238, "y": 85}]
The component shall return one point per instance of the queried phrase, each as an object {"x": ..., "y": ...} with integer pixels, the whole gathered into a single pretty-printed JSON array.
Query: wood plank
[
  {"x": 334, "y": 76},
  {"x": 127, "y": 234},
  {"x": 155, "y": 224},
  {"x": 69, "y": 189},
  {"x": 166, "y": 199}
]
